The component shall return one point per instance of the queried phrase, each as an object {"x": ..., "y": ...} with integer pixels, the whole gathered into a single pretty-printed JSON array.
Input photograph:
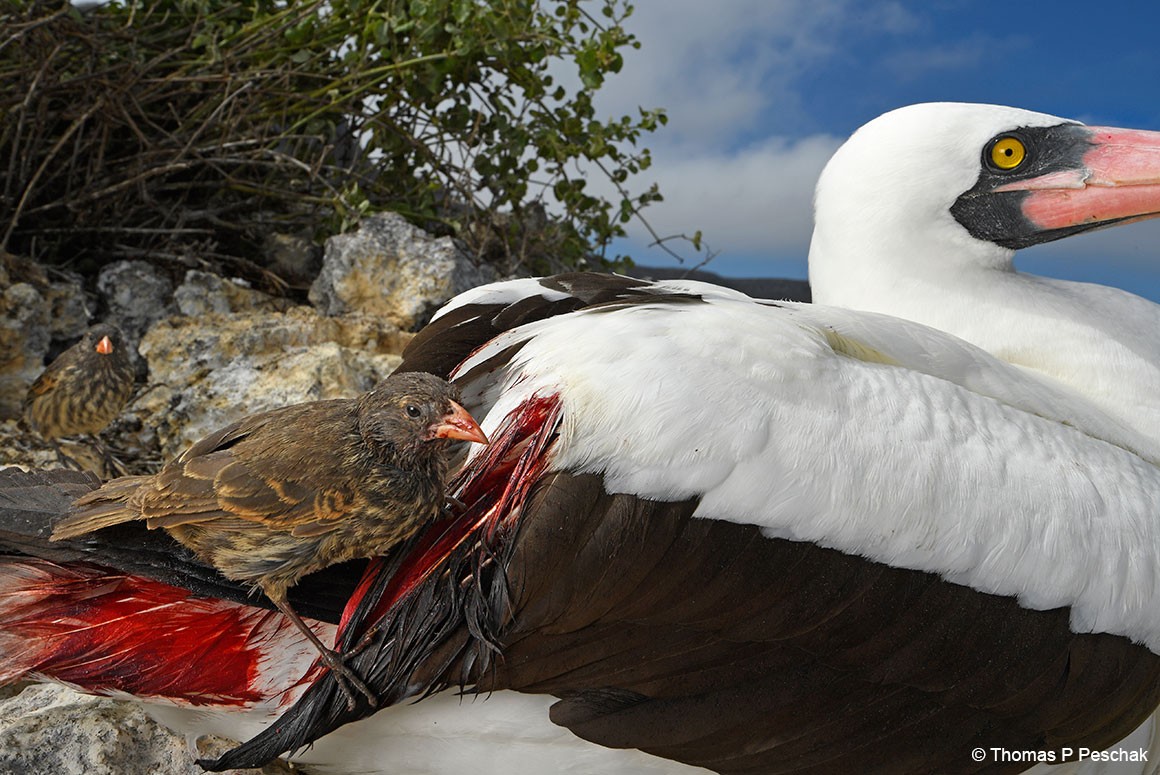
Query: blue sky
[{"x": 760, "y": 92}]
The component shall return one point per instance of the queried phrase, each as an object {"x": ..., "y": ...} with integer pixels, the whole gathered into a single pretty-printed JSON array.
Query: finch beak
[
  {"x": 458, "y": 424},
  {"x": 105, "y": 346}
]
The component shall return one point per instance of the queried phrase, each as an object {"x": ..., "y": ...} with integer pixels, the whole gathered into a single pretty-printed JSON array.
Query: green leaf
[{"x": 319, "y": 111}]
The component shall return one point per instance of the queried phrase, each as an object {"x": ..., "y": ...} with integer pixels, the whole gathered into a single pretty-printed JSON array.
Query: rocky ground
[{"x": 208, "y": 350}]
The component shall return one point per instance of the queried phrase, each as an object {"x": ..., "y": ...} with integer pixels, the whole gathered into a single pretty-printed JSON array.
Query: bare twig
[
  {"x": 48, "y": 159},
  {"x": 202, "y": 126}
]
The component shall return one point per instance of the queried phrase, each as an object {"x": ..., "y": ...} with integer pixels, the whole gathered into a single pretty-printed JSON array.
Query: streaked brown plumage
[
  {"x": 281, "y": 494},
  {"x": 85, "y": 388}
]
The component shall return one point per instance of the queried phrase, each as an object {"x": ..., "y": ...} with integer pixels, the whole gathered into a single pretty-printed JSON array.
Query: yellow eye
[{"x": 1007, "y": 153}]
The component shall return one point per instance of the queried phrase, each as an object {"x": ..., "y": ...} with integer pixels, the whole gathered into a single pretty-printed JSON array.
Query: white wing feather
[{"x": 924, "y": 453}]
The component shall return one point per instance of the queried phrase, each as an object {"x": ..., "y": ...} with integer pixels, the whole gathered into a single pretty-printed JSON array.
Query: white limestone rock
[{"x": 393, "y": 270}]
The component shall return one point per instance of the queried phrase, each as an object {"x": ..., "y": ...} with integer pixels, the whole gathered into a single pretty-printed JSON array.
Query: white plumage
[
  {"x": 859, "y": 432},
  {"x": 886, "y": 240}
]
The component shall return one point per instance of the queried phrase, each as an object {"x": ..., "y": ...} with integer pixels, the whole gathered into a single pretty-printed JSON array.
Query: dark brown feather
[
  {"x": 440, "y": 346},
  {"x": 284, "y": 493},
  {"x": 768, "y": 655},
  {"x": 760, "y": 656}
]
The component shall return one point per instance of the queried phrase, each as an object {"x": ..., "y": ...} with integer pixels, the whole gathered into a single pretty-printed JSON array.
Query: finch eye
[{"x": 413, "y": 411}]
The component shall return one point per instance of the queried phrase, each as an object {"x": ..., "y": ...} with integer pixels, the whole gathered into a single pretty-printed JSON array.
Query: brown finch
[{"x": 281, "y": 494}]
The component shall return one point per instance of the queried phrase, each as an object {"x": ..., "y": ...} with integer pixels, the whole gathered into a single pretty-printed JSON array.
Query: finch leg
[
  {"x": 63, "y": 458},
  {"x": 112, "y": 465},
  {"x": 346, "y": 677}
]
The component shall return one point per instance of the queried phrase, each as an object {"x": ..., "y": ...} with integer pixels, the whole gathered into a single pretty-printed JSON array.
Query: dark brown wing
[
  {"x": 52, "y": 375},
  {"x": 766, "y": 655},
  {"x": 442, "y": 344},
  {"x": 43, "y": 384},
  {"x": 38, "y": 407},
  {"x": 288, "y": 468}
]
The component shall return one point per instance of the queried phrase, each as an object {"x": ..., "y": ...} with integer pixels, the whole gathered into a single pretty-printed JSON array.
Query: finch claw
[{"x": 349, "y": 681}]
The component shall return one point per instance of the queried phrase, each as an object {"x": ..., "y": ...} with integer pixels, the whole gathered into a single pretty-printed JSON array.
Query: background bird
[
  {"x": 85, "y": 388},
  {"x": 920, "y": 215},
  {"x": 282, "y": 494}
]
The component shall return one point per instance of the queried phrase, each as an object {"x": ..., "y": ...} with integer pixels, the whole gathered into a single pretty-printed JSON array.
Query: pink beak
[
  {"x": 1119, "y": 181},
  {"x": 105, "y": 346},
  {"x": 459, "y": 424}
]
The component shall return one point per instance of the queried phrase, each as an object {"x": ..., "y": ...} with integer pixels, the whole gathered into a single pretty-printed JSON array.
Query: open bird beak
[
  {"x": 458, "y": 424},
  {"x": 105, "y": 346},
  {"x": 1118, "y": 180}
]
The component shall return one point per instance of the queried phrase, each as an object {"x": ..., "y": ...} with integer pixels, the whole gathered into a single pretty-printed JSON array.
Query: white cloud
[
  {"x": 721, "y": 70},
  {"x": 730, "y": 72},
  {"x": 717, "y": 68},
  {"x": 892, "y": 17},
  {"x": 958, "y": 55},
  {"x": 758, "y": 199}
]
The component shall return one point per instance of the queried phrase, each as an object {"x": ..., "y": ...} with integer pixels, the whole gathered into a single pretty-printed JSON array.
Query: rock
[
  {"x": 68, "y": 310},
  {"x": 207, "y": 371},
  {"x": 295, "y": 259},
  {"x": 137, "y": 295},
  {"x": 391, "y": 269},
  {"x": 24, "y": 338},
  {"x": 203, "y": 293},
  {"x": 29, "y": 449},
  {"x": 48, "y": 728}
]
